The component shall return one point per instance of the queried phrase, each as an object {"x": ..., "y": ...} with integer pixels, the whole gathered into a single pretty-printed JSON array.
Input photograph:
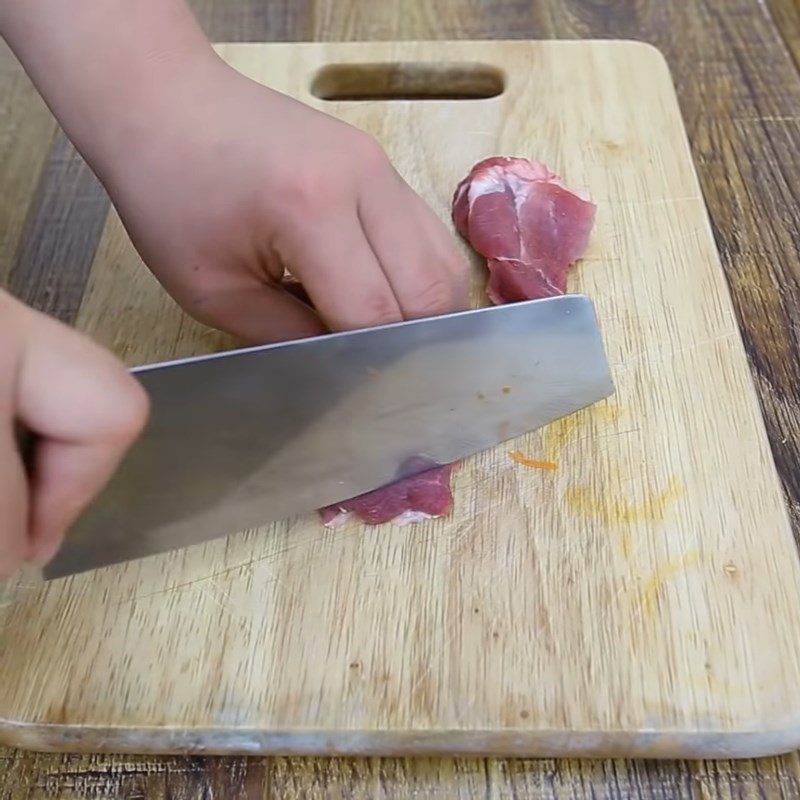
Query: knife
[{"x": 242, "y": 438}]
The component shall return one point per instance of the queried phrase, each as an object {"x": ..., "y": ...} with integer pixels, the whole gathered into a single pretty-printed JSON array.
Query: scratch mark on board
[{"x": 648, "y": 594}]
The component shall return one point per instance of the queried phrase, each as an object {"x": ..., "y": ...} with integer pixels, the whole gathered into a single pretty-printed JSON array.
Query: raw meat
[
  {"x": 531, "y": 228},
  {"x": 411, "y": 500}
]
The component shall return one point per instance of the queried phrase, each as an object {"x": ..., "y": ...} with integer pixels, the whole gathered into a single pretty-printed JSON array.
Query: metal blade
[{"x": 239, "y": 439}]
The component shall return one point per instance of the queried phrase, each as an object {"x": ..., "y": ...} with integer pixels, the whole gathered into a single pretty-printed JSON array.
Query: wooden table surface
[{"x": 735, "y": 63}]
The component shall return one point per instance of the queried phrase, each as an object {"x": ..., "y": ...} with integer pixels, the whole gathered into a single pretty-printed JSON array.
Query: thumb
[{"x": 85, "y": 409}]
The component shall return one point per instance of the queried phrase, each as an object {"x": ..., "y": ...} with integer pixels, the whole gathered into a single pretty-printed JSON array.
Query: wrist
[
  {"x": 110, "y": 70},
  {"x": 152, "y": 108}
]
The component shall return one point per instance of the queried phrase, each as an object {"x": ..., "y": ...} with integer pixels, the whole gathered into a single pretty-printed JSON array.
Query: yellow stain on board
[
  {"x": 595, "y": 502},
  {"x": 649, "y": 592},
  {"x": 559, "y": 433},
  {"x": 627, "y": 543},
  {"x": 598, "y": 504}
]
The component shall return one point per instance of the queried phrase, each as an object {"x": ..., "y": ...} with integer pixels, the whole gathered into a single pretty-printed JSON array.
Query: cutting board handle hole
[{"x": 407, "y": 81}]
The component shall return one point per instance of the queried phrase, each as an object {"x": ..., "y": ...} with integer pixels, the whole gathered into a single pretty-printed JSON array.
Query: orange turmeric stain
[{"x": 515, "y": 455}]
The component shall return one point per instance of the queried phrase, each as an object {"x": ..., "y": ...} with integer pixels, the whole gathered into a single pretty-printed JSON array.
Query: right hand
[{"x": 84, "y": 409}]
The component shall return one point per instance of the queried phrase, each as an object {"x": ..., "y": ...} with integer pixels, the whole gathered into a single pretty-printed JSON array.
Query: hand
[
  {"x": 239, "y": 183},
  {"x": 224, "y": 184},
  {"x": 85, "y": 410}
]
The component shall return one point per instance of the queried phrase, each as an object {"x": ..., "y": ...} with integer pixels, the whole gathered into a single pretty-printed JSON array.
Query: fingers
[
  {"x": 260, "y": 314},
  {"x": 86, "y": 410},
  {"x": 340, "y": 272},
  {"x": 13, "y": 504},
  {"x": 67, "y": 475},
  {"x": 392, "y": 260},
  {"x": 425, "y": 269}
]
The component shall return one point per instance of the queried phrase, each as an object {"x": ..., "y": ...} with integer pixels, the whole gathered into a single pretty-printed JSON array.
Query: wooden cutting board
[{"x": 642, "y": 599}]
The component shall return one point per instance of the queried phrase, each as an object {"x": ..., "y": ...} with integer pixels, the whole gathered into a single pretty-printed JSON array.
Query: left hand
[
  {"x": 241, "y": 183},
  {"x": 224, "y": 184}
]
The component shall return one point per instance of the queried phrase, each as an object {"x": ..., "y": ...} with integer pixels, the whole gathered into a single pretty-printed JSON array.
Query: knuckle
[
  {"x": 314, "y": 187},
  {"x": 435, "y": 297},
  {"x": 130, "y": 417},
  {"x": 368, "y": 151},
  {"x": 374, "y": 309},
  {"x": 138, "y": 410},
  {"x": 302, "y": 188},
  {"x": 382, "y": 310},
  {"x": 310, "y": 191}
]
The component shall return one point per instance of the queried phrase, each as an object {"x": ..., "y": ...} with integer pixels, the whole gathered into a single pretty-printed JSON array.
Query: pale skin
[{"x": 222, "y": 185}]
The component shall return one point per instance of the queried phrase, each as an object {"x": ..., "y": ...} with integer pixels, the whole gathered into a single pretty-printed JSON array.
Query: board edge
[
  {"x": 516, "y": 743},
  {"x": 651, "y": 744}
]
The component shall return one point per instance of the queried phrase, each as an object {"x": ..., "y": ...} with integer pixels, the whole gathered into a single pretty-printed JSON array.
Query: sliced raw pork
[
  {"x": 531, "y": 228},
  {"x": 414, "y": 499}
]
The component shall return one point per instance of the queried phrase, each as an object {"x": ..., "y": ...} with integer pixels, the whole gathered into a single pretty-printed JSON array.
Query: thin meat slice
[
  {"x": 530, "y": 227},
  {"x": 526, "y": 222},
  {"x": 411, "y": 500}
]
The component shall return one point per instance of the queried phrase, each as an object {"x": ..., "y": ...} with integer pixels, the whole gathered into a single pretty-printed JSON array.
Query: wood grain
[
  {"x": 614, "y": 597},
  {"x": 26, "y": 131},
  {"x": 53, "y": 209},
  {"x": 739, "y": 92},
  {"x": 44, "y": 777},
  {"x": 63, "y": 229},
  {"x": 786, "y": 15},
  {"x": 255, "y": 20},
  {"x": 704, "y": 59}
]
